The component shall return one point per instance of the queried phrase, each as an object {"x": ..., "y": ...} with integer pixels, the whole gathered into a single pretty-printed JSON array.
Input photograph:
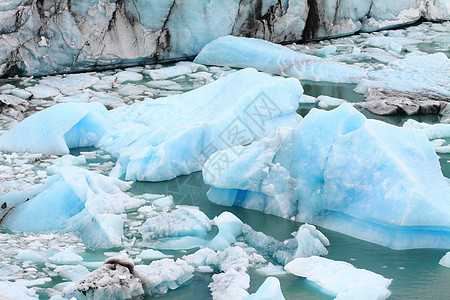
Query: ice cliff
[{"x": 39, "y": 37}]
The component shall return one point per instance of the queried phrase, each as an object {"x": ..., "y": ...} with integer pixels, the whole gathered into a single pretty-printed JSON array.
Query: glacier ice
[
  {"x": 269, "y": 290},
  {"x": 243, "y": 52},
  {"x": 72, "y": 200},
  {"x": 336, "y": 169},
  {"x": 81, "y": 36},
  {"x": 341, "y": 278},
  {"x": 73, "y": 125},
  {"x": 445, "y": 260}
]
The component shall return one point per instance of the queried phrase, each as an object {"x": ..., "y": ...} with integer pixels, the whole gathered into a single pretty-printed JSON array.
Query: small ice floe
[
  {"x": 341, "y": 278},
  {"x": 445, "y": 260}
]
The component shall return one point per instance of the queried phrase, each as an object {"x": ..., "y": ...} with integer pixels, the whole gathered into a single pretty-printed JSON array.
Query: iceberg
[
  {"x": 269, "y": 290},
  {"x": 164, "y": 138},
  {"x": 243, "y": 52},
  {"x": 72, "y": 125},
  {"x": 72, "y": 200},
  {"x": 338, "y": 170},
  {"x": 341, "y": 278}
]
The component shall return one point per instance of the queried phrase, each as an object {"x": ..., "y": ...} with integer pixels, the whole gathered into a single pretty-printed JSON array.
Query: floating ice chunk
[
  {"x": 341, "y": 278},
  {"x": 69, "y": 83},
  {"x": 269, "y": 290},
  {"x": 164, "y": 275},
  {"x": 152, "y": 254},
  {"x": 66, "y": 161},
  {"x": 72, "y": 273},
  {"x": 164, "y": 84},
  {"x": 128, "y": 76},
  {"x": 9, "y": 270},
  {"x": 230, "y": 227},
  {"x": 412, "y": 75},
  {"x": 332, "y": 178},
  {"x": 230, "y": 285},
  {"x": 65, "y": 257},
  {"x": 310, "y": 242},
  {"x": 234, "y": 281},
  {"x": 307, "y": 241},
  {"x": 79, "y": 97},
  {"x": 132, "y": 90},
  {"x": 170, "y": 72},
  {"x": 202, "y": 258},
  {"x": 11, "y": 290},
  {"x": 200, "y": 76},
  {"x": 73, "y": 200},
  {"x": 271, "y": 270},
  {"x": 164, "y": 201},
  {"x": 161, "y": 139},
  {"x": 243, "y": 52},
  {"x": 186, "y": 228},
  {"x": 445, "y": 260},
  {"x": 182, "y": 228},
  {"x": 21, "y": 94},
  {"x": 431, "y": 131},
  {"x": 307, "y": 99},
  {"x": 43, "y": 91},
  {"x": 327, "y": 101},
  {"x": 72, "y": 125},
  {"x": 327, "y": 50},
  {"x": 115, "y": 279}
]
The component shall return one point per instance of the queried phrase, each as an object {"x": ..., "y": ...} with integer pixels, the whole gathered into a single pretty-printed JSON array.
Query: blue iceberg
[
  {"x": 72, "y": 125},
  {"x": 265, "y": 56},
  {"x": 336, "y": 169},
  {"x": 72, "y": 200}
]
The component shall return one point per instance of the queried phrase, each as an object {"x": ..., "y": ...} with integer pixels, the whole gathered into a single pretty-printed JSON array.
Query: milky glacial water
[{"x": 416, "y": 273}]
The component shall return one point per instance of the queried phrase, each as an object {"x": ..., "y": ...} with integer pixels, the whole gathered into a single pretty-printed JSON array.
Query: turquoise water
[{"x": 416, "y": 273}]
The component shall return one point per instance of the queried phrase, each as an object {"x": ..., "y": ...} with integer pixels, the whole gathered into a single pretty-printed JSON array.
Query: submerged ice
[{"x": 336, "y": 169}]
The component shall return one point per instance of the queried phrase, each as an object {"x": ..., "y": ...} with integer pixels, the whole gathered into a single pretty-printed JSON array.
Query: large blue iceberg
[{"x": 336, "y": 169}]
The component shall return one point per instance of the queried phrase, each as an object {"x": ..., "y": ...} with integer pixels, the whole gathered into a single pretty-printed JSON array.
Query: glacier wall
[{"x": 41, "y": 37}]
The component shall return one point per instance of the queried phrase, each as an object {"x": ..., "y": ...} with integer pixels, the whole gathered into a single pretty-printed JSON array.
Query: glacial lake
[{"x": 416, "y": 273}]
